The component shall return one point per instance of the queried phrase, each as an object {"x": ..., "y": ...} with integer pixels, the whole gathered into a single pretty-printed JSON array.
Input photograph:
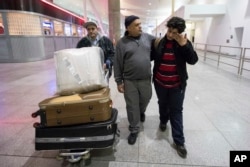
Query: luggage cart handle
[
  {"x": 106, "y": 77},
  {"x": 73, "y": 139},
  {"x": 74, "y": 153}
]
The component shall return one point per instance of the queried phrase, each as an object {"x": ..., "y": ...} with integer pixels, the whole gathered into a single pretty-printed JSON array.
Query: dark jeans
[
  {"x": 170, "y": 108},
  {"x": 110, "y": 71}
]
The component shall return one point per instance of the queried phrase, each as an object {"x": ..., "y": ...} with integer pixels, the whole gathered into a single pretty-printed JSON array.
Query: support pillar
[
  {"x": 114, "y": 20},
  {"x": 173, "y": 6}
]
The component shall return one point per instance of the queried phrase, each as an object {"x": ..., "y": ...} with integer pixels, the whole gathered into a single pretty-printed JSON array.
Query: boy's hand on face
[{"x": 181, "y": 39}]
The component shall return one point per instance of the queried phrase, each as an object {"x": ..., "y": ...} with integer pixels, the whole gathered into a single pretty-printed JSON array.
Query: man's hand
[
  {"x": 181, "y": 39},
  {"x": 104, "y": 66},
  {"x": 120, "y": 88}
]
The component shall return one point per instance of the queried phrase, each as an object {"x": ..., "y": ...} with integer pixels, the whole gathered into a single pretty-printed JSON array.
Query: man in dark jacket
[
  {"x": 93, "y": 38},
  {"x": 170, "y": 57}
]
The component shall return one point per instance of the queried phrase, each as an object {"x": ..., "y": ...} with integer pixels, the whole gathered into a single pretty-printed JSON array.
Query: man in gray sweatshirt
[{"x": 132, "y": 72}]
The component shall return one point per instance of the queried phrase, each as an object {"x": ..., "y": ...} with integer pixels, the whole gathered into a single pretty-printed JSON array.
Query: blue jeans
[{"x": 170, "y": 108}]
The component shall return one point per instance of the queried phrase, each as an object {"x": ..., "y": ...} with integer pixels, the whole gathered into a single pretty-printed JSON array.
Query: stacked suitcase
[{"x": 78, "y": 120}]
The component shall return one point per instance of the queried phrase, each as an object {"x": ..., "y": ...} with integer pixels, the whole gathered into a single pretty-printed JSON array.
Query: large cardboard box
[{"x": 79, "y": 70}]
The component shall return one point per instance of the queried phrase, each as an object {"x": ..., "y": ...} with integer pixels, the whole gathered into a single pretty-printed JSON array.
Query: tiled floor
[{"x": 216, "y": 120}]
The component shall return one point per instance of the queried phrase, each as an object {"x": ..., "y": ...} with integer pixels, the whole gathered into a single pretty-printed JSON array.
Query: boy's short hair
[{"x": 178, "y": 23}]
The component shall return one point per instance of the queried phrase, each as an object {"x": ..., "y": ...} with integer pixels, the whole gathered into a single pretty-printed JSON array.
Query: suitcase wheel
[
  {"x": 37, "y": 125},
  {"x": 86, "y": 156},
  {"x": 34, "y": 115},
  {"x": 74, "y": 158},
  {"x": 59, "y": 158}
]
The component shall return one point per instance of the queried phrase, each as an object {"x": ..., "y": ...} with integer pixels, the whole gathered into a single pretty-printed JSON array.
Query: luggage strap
[{"x": 74, "y": 139}]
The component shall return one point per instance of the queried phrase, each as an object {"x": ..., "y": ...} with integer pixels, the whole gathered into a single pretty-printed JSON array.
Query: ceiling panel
[{"x": 151, "y": 12}]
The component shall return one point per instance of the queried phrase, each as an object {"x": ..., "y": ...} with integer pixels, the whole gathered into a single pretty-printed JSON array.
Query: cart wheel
[
  {"x": 74, "y": 158},
  {"x": 36, "y": 125},
  {"x": 86, "y": 156},
  {"x": 34, "y": 115},
  {"x": 59, "y": 158}
]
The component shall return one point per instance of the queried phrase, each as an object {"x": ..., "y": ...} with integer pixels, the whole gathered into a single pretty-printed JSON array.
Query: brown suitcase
[{"x": 75, "y": 109}]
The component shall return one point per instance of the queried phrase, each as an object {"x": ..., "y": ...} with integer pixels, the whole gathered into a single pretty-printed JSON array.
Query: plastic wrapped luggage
[
  {"x": 91, "y": 135},
  {"x": 79, "y": 70},
  {"x": 89, "y": 107}
]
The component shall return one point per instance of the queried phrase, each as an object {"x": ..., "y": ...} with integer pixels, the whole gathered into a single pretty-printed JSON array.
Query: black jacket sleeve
[
  {"x": 108, "y": 49},
  {"x": 189, "y": 53},
  {"x": 84, "y": 42}
]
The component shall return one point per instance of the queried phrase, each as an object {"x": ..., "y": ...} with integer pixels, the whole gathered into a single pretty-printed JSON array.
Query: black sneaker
[
  {"x": 143, "y": 117},
  {"x": 163, "y": 127},
  {"x": 181, "y": 150},
  {"x": 132, "y": 138}
]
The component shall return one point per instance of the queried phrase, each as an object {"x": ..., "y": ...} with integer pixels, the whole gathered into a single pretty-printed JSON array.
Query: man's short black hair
[{"x": 178, "y": 23}]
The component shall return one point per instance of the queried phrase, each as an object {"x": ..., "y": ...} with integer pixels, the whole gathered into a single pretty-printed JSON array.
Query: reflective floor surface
[{"x": 216, "y": 120}]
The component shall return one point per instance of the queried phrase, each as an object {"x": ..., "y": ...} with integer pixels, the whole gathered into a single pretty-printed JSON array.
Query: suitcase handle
[
  {"x": 37, "y": 125},
  {"x": 35, "y": 114}
]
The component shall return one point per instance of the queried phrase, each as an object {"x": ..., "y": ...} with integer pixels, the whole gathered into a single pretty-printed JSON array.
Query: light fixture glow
[{"x": 51, "y": 4}]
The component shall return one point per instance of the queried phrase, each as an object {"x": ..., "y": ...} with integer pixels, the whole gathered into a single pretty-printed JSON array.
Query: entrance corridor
[{"x": 216, "y": 120}]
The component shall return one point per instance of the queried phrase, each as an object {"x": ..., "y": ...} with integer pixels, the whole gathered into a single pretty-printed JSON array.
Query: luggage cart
[
  {"x": 75, "y": 142},
  {"x": 75, "y": 156}
]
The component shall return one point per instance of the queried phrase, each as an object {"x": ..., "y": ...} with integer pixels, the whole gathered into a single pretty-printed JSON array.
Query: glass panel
[
  {"x": 67, "y": 29},
  {"x": 58, "y": 28},
  {"x": 74, "y": 33},
  {"x": 47, "y": 26},
  {"x": 80, "y": 31},
  {"x": 23, "y": 24}
]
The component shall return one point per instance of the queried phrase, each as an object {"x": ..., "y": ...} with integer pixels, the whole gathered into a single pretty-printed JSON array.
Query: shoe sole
[
  {"x": 163, "y": 129},
  {"x": 132, "y": 143},
  {"x": 181, "y": 155},
  {"x": 143, "y": 120}
]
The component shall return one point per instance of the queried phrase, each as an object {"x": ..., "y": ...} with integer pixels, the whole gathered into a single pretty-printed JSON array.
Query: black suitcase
[{"x": 91, "y": 135}]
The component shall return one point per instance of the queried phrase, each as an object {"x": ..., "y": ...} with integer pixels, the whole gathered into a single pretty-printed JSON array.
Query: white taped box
[{"x": 79, "y": 70}]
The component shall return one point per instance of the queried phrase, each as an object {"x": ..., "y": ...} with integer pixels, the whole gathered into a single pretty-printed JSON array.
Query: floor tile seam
[
  {"x": 176, "y": 164},
  {"x": 25, "y": 156},
  {"x": 223, "y": 70},
  {"x": 119, "y": 161},
  {"x": 218, "y": 130}
]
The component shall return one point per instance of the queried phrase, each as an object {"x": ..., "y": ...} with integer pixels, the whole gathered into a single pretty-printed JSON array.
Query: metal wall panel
[
  {"x": 4, "y": 49},
  {"x": 49, "y": 46},
  {"x": 27, "y": 48},
  {"x": 68, "y": 42},
  {"x": 60, "y": 43}
]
